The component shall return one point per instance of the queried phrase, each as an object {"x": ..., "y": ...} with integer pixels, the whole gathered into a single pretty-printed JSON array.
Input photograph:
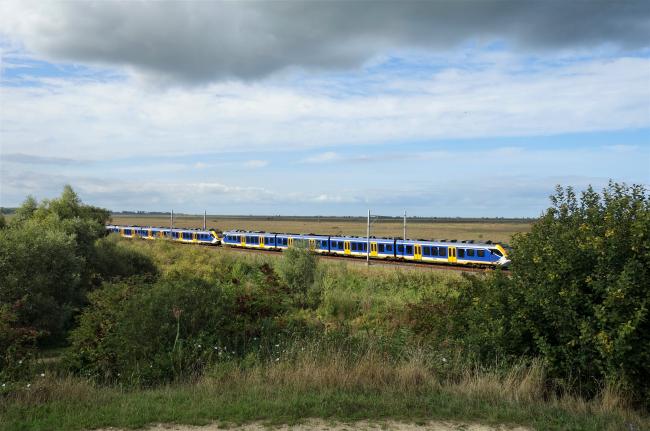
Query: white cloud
[
  {"x": 256, "y": 163},
  {"x": 116, "y": 119},
  {"x": 329, "y": 156}
]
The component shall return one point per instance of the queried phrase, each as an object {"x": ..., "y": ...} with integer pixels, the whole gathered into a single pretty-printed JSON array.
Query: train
[{"x": 469, "y": 253}]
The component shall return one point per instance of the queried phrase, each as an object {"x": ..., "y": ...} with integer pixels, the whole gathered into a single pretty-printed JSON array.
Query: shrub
[
  {"x": 297, "y": 269},
  {"x": 146, "y": 333},
  {"x": 577, "y": 296}
]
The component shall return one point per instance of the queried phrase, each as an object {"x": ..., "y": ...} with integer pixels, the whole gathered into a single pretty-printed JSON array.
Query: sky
[{"x": 465, "y": 108}]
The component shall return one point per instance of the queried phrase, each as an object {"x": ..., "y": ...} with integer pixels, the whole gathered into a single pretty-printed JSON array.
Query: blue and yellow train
[{"x": 486, "y": 254}]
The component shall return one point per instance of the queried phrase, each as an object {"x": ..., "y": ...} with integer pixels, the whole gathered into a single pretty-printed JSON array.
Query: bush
[
  {"x": 297, "y": 269},
  {"x": 578, "y": 294},
  {"x": 50, "y": 258},
  {"x": 145, "y": 333}
]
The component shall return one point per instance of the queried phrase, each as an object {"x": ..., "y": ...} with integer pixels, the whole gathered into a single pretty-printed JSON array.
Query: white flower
[
  {"x": 4, "y": 384},
  {"x": 29, "y": 384},
  {"x": 20, "y": 361},
  {"x": 277, "y": 359},
  {"x": 444, "y": 359},
  {"x": 42, "y": 374},
  {"x": 277, "y": 345}
]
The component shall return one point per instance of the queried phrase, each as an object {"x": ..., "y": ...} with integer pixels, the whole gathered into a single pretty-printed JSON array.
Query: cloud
[
  {"x": 199, "y": 42},
  {"x": 39, "y": 160},
  {"x": 256, "y": 163},
  {"x": 326, "y": 157},
  {"x": 108, "y": 120}
]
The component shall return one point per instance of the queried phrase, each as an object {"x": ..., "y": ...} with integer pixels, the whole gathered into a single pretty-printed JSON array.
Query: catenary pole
[
  {"x": 204, "y": 215},
  {"x": 171, "y": 224},
  {"x": 368, "y": 240},
  {"x": 404, "y": 238}
]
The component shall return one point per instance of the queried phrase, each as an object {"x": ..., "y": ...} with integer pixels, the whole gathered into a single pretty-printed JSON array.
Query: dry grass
[{"x": 479, "y": 230}]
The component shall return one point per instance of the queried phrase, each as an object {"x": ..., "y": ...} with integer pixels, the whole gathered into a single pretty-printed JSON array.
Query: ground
[{"x": 320, "y": 425}]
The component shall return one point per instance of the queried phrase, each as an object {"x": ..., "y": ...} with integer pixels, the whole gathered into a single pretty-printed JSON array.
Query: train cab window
[
  {"x": 409, "y": 249},
  {"x": 442, "y": 251},
  {"x": 481, "y": 253},
  {"x": 461, "y": 252},
  {"x": 381, "y": 248},
  {"x": 400, "y": 249},
  {"x": 496, "y": 251},
  {"x": 470, "y": 252}
]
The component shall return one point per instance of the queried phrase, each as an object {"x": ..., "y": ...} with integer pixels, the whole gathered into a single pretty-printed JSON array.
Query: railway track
[{"x": 362, "y": 261}]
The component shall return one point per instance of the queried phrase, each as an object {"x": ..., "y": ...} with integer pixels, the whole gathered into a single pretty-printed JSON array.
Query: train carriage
[{"x": 461, "y": 253}]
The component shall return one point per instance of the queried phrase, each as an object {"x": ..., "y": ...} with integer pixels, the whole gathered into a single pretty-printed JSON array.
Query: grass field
[{"x": 498, "y": 231}]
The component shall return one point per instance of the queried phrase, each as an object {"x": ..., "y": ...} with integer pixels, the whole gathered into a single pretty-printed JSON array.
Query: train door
[
  {"x": 417, "y": 252},
  {"x": 312, "y": 244},
  {"x": 194, "y": 238},
  {"x": 373, "y": 249},
  {"x": 452, "y": 255},
  {"x": 262, "y": 241},
  {"x": 242, "y": 239},
  {"x": 346, "y": 247},
  {"x": 290, "y": 242}
]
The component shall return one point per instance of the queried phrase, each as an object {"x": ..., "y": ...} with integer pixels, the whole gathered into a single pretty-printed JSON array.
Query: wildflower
[
  {"x": 4, "y": 384},
  {"x": 20, "y": 361},
  {"x": 277, "y": 345},
  {"x": 198, "y": 345},
  {"x": 42, "y": 374},
  {"x": 29, "y": 384},
  {"x": 277, "y": 359},
  {"x": 444, "y": 359}
]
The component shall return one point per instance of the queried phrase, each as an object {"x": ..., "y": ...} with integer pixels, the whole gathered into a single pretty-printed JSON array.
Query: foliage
[
  {"x": 50, "y": 257},
  {"x": 578, "y": 295},
  {"x": 298, "y": 269},
  {"x": 145, "y": 333}
]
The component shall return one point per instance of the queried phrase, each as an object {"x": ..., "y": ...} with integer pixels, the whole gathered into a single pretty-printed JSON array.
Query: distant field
[{"x": 495, "y": 230}]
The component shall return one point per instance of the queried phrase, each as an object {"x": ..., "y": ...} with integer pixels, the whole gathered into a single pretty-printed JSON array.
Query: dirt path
[{"x": 321, "y": 425}]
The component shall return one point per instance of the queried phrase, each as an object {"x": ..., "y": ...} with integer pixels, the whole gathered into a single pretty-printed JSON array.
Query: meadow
[
  {"x": 102, "y": 331},
  {"x": 489, "y": 229}
]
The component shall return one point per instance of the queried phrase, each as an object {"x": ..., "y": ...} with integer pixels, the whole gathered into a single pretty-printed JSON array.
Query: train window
[
  {"x": 496, "y": 251},
  {"x": 481, "y": 253},
  {"x": 381, "y": 248},
  {"x": 389, "y": 247},
  {"x": 470, "y": 252},
  {"x": 400, "y": 248},
  {"x": 434, "y": 251},
  {"x": 426, "y": 250},
  {"x": 353, "y": 246},
  {"x": 324, "y": 243},
  {"x": 409, "y": 249},
  {"x": 461, "y": 252},
  {"x": 442, "y": 251}
]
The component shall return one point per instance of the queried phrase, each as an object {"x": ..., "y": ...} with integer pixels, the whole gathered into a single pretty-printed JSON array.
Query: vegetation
[{"x": 161, "y": 332}]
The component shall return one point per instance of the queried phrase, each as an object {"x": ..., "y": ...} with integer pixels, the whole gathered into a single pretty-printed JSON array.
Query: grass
[
  {"x": 499, "y": 231},
  {"x": 344, "y": 378},
  {"x": 312, "y": 385}
]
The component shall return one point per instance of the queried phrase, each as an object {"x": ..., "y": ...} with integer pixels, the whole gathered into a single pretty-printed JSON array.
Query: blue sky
[{"x": 483, "y": 126}]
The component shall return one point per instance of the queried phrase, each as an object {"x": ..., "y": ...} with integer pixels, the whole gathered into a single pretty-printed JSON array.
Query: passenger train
[{"x": 486, "y": 254}]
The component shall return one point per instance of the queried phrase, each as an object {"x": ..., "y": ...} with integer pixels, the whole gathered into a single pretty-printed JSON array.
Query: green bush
[
  {"x": 144, "y": 333},
  {"x": 51, "y": 255},
  {"x": 578, "y": 294},
  {"x": 297, "y": 269}
]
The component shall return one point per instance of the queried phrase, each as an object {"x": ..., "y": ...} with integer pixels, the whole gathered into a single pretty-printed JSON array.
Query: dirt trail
[{"x": 321, "y": 425}]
